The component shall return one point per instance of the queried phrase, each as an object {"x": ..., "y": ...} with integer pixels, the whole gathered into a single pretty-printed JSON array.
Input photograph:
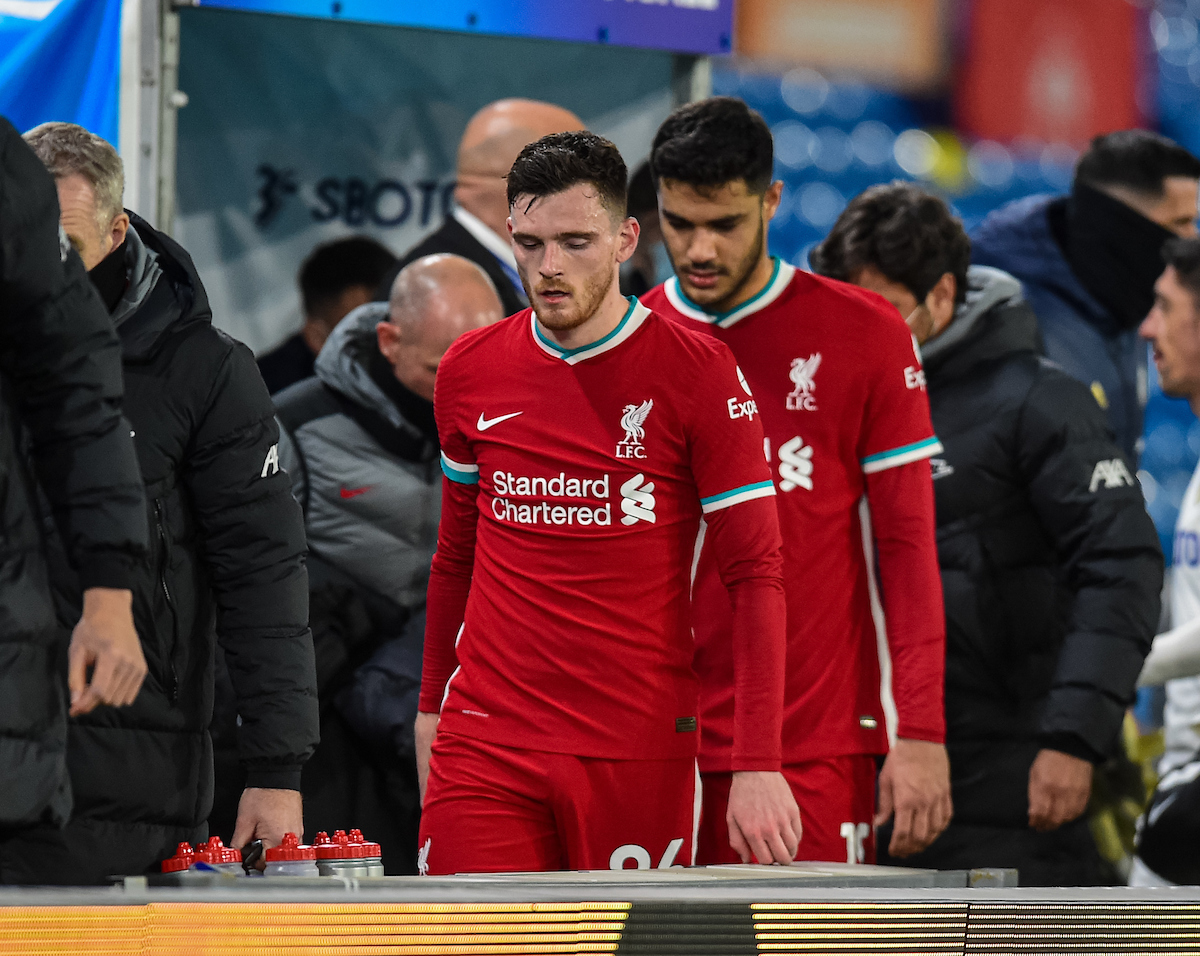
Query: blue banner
[
  {"x": 680, "y": 26},
  {"x": 61, "y": 60}
]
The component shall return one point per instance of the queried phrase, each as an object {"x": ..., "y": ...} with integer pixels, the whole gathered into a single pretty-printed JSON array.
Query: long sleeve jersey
[{"x": 558, "y": 608}]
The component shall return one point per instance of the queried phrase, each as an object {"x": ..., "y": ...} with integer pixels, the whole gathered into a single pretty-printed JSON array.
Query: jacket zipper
[{"x": 162, "y": 580}]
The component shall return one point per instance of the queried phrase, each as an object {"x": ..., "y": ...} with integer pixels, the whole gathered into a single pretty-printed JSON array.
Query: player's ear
[
  {"x": 940, "y": 301},
  {"x": 389, "y": 338},
  {"x": 627, "y": 238},
  {"x": 771, "y": 199},
  {"x": 508, "y": 223}
]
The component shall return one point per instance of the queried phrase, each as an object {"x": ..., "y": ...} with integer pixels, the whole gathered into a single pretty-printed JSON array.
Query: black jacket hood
[
  {"x": 165, "y": 293},
  {"x": 993, "y": 323}
]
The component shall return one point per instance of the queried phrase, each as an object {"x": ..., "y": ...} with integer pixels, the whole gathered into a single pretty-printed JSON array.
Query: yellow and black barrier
[{"x": 684, "y": 913}]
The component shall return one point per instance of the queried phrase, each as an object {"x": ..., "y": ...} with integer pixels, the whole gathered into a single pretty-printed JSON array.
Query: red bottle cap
[
  {"x": 214, "y": 852},
  {"x": 327, "y": 849},
  {"x": 290, "y": 849},
  {"x": 182, "y": 860},
  {"x": 364, "y": 847},
  {"x": 332, "y": 849}
]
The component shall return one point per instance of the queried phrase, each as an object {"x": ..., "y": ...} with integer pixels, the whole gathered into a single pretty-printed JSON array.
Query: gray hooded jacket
[{"x": 367, "y": 479}]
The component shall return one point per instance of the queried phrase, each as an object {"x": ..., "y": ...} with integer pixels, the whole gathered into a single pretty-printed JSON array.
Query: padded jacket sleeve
[
  {"x": 1091, "y": 506},
  {"x": 60, "y": 358},
  {"x": 255, "y": 551}
]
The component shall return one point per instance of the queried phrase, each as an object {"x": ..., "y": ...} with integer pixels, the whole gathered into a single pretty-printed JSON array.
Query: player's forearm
[
  {"x": 424, "y": 730},
  {"x": 1174, "y": 654},
  {"x": 449, "y": 587},
  {"x": 759, "y": 661},
  {"x": 445, "y": 609},
  {"x": 902, "y": 518},
  {"x": 745, "y": 541}
]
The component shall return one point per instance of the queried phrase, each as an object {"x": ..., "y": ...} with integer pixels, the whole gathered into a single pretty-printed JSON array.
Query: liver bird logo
[
  {"x": 633, "y": 419},
  {"x": 802, "y": 373}
]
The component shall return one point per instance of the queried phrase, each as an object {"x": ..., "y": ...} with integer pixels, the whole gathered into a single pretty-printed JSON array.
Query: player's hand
[
  {"x": 914, "y": 786},
  {"x": 424, "y": 730},
  {"x": 764, "y": 821},
  {"x": 106, "y": 641},
  {"x": 1059, "y": 788},
  {"x": 267, "y": 814}
]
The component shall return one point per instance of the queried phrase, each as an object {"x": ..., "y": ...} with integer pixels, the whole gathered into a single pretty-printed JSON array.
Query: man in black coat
[
  {"x": 60, "y": 398},
  {"x": 1051, "y": 568},
  {"x": 226, "y": 558},
  {"x": 475, "y": 228}
]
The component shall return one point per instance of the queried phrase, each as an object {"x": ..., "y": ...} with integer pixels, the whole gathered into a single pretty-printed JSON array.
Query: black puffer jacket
[
  {"x": 1051, "y": 567},
  {"x": 60, "y": 379},
  {"x": 226, "y": 562}
]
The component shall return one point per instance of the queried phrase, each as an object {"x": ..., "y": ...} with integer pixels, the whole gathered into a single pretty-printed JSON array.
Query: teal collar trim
[
  {"x": 781, "y": 276},
  {"x": 634, "y": 316}
]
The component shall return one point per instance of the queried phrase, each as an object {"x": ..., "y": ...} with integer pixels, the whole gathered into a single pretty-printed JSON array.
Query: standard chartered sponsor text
[{"x": 507, "y": 485}]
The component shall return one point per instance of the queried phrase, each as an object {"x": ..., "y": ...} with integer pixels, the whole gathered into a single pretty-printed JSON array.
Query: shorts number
[
  {"x": 855, "y": 835},
  {"x": 641, "y": 856}
]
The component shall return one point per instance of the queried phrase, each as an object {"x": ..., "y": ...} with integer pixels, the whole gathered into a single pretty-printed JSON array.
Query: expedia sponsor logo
[
  {"x": 747, "y": 409},
  {"x": 508, "y": 486}
]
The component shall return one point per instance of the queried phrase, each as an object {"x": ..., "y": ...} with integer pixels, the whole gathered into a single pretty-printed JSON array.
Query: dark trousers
[
  {"x": 87, "y": 852},
  {"x": 1063, "y": 857}
]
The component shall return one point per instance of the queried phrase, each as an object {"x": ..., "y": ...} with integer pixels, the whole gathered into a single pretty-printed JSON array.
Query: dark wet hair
[
  {"x": 713, "y": 142},
  {"x": 559, "y": 161},
  {"x": 909, "y": 235}
]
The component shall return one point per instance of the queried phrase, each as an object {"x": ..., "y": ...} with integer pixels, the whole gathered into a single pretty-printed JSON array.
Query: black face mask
[
  {"x": 110, "y": 277},
  {"x": 1115, "y": 252}
]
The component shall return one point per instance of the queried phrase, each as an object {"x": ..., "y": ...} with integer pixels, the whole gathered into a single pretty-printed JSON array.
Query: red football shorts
[
  {"x": 836, "y": 797},
  {"x": 490, "y": 808}
]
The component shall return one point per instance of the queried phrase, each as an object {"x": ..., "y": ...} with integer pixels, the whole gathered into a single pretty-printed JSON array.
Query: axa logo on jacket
[
  {"x": 1110, "y": 474},
  {"x": 271, "y": 463}
]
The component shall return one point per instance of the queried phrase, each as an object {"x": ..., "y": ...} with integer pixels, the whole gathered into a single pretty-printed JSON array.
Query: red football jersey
[
  {"x": 575, "y": 485},
  {"x": 839, "y": 386}
]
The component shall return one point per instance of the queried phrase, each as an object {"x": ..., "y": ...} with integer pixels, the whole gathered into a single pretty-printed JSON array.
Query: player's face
[
  {"x": 717, "y": 239},
  {"x": 568, "y": 249},
  {"x": 1173, "y": 329},
  {"x": 925, "y": 319}
]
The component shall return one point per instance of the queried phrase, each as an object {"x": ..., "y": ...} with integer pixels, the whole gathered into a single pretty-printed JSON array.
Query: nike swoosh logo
[
  {"x": 485, "y": 423},
  {"x": 355, "y": 492}
]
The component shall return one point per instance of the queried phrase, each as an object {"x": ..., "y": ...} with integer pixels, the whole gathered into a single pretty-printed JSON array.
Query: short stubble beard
[
  {"x": 588, "y": 298},
  {"x": 744, "y": 270}
]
